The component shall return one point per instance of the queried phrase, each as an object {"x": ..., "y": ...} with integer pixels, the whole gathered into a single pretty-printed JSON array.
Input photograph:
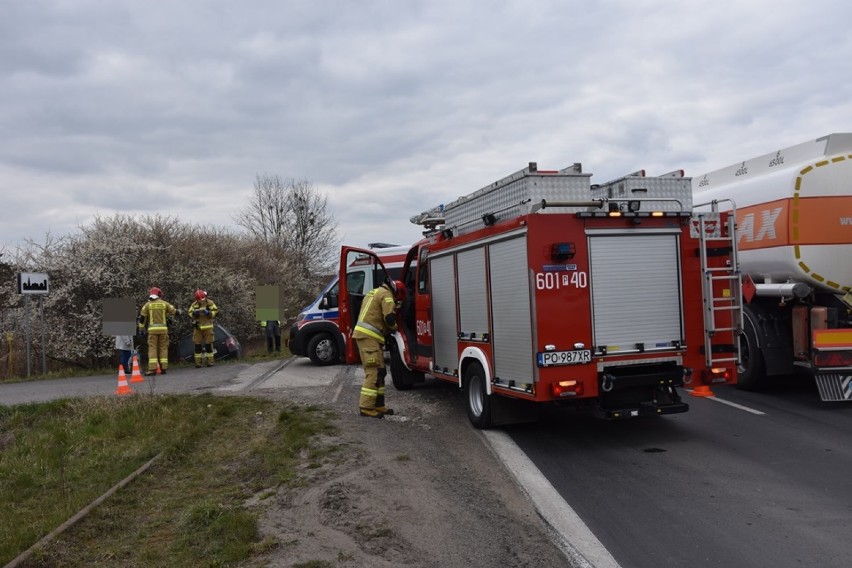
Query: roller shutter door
[
  {"x": 511, "y": 311},
  {"x": 636, "y": 291}
]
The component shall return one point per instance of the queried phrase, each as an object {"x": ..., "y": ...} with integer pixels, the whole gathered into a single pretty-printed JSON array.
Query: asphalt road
[
  {"x": 765, "y": 483},
  {"x": 188, "y": 379},
  {"x": 741, "y": 480}
]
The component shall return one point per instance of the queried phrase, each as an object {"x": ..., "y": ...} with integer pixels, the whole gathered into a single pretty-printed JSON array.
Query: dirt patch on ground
[{"x": 418, "y": 489}]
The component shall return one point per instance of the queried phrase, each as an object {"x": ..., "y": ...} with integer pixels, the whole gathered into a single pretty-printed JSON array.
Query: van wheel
[
  {"x": 477, "y": 401},
  {"x": 751, "y": 372},
  {"x": 322, "y": 349},
  {"x": 403, "y": 378}
]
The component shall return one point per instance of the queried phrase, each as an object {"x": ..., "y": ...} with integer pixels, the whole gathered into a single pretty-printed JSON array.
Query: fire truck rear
[{"x": 541, "y": 288}]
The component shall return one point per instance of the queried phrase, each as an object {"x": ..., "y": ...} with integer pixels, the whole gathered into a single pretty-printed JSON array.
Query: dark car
[{"x": 225, "y": 345}]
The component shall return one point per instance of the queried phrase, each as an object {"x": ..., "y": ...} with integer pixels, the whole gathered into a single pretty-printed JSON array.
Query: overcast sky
[{"x": 391, "y": 107}]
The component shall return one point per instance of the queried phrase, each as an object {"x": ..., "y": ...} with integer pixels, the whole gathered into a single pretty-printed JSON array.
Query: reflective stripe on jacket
[
  {"x": 154, "y": 313},
  {"x": 205, "y": 321},
  {"x": 378, "y": 304}
]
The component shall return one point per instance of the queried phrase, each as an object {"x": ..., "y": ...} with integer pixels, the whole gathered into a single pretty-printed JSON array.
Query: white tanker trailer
[{"x": 794, "y": 234}]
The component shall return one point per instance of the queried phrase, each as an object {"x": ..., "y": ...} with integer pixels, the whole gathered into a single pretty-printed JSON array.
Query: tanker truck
[{"x": 793, "y": 211}]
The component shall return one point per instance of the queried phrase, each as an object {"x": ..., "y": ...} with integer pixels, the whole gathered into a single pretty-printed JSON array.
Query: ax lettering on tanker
[{"x": 765, "y": 230}]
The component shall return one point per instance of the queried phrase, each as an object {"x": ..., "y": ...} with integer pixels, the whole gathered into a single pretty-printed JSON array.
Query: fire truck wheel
[
  {"x": 322, "y": 349},
  {"x": 751, "y": 373},
  {"x": 402, "y": 377},
  {"x": 477, "y": 401}
]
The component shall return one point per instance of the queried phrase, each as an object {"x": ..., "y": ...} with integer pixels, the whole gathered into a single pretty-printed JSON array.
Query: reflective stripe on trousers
[{"x": 373, "y": 389}]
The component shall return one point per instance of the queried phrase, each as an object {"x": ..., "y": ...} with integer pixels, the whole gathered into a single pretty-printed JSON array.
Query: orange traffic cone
[
  {"x": 159, "y": 371},
  {"x": 136, "y": 374},
  {"x": 701, "y": 390},
  {"x": 123, "y": 387}
]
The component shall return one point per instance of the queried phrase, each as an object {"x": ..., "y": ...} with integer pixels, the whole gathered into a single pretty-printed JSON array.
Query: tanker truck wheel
[
  {"x": 477, "y": 401},
  {"x": 322, "y": 349},
  {"x": 751, "y": 372}
]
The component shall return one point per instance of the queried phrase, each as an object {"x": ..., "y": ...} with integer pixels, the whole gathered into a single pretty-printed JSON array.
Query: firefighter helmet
[
  {"x": 399, "y": 290},
  {"x": 154, "y": 293},
  {"x": 397, "y": 287},
  {"x": 200, "y": 295}
]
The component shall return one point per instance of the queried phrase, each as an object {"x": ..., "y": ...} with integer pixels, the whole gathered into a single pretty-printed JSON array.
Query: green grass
[{"x": 188, "y": 509}]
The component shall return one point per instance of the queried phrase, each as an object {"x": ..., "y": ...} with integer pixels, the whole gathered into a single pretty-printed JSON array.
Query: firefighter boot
[
  {"x": 380, "y": 392},
  {"x": 370, "y": 413}
]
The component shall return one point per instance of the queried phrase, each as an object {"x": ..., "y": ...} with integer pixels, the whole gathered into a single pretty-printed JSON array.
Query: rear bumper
[
  {"x": 643, "y": 410},
  {"x": 641, "y": 390}
]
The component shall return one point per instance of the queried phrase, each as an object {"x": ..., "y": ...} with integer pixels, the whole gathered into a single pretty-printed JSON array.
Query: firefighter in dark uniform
[
  {"x": 152, "y": 320},
  {"x": 376, "y": 320},
  {"x": 201, "y": 312}
]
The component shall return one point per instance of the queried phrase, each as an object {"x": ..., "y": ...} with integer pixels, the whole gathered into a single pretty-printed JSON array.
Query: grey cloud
[{"x": 392, "y": 108}]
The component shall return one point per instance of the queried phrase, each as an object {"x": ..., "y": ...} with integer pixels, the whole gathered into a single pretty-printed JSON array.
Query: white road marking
[
  {"x": 578, "y": 543},
  {"x": 337, "y": 394},
  {"x": 735, "y": 405}
]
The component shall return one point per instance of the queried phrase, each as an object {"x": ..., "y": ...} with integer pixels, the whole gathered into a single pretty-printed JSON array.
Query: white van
[{"x": 315, "y": 332}]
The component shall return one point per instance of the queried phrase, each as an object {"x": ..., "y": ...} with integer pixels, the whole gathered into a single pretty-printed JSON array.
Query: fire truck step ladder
[{"x": 714, "y": 237}]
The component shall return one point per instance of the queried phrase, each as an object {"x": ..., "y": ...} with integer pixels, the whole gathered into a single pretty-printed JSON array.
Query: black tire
[
  {"x": 477, "y": 401},
  {"x": 402, "y": 377},
  {"x": 751, "y": 372},
  {"x": 323, "y": 350}
]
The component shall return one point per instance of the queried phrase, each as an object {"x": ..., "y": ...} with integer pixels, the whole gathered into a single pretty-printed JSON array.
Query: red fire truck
[{"x": 543, "y": 288}]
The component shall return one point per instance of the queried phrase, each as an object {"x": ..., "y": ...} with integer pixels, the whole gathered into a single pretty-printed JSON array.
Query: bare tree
[
  {"x": 291, "y": 214},
  {"x": 263, "y": 215}
]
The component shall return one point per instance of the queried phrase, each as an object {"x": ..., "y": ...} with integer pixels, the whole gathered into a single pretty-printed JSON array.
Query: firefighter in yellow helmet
[
  {"x": 201, "y": 312},
  {"x": 152, "y": 318},
  {"x": 376, "y": 320}
]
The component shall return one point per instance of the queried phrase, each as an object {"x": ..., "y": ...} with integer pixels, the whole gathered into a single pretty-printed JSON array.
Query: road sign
[{"x": 33, "y": 283}]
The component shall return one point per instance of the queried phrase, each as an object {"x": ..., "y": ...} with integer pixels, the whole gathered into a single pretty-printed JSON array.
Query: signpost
[
  {"x": 29, "y": 284},
  {"x": 33, "y": 283}
]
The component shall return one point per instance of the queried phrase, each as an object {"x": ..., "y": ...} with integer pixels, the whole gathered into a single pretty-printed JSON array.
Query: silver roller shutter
[
  {"x": 511, "y": 310},
  {"x": 473, "y": 303},
  {"x": 636, "y": 290},
  {"x": 445, "y": 334}
]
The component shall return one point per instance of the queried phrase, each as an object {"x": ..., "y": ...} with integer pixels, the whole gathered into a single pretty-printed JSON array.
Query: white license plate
[{"x": 576, "y": 357}]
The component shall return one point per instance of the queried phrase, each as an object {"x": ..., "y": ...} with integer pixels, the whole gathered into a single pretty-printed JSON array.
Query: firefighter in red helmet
[
  {"x": 201, "y": 312},
  {"x": 376, "y": 320},
  {"x": 153, "y": 320}
]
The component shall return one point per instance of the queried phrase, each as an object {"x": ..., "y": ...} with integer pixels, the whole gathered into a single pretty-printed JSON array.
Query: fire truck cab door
[
  {"x": 414, "y": 315},
  {"x": 353, "y": 288},
  {"x": 407, "y": 319}
]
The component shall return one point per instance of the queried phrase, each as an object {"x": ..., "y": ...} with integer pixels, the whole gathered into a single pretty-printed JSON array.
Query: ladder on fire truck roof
[
  {"x": 719, "y": 238},
  {"x": 507, "y": 198},
  {"x": 567, "y": 190}
]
